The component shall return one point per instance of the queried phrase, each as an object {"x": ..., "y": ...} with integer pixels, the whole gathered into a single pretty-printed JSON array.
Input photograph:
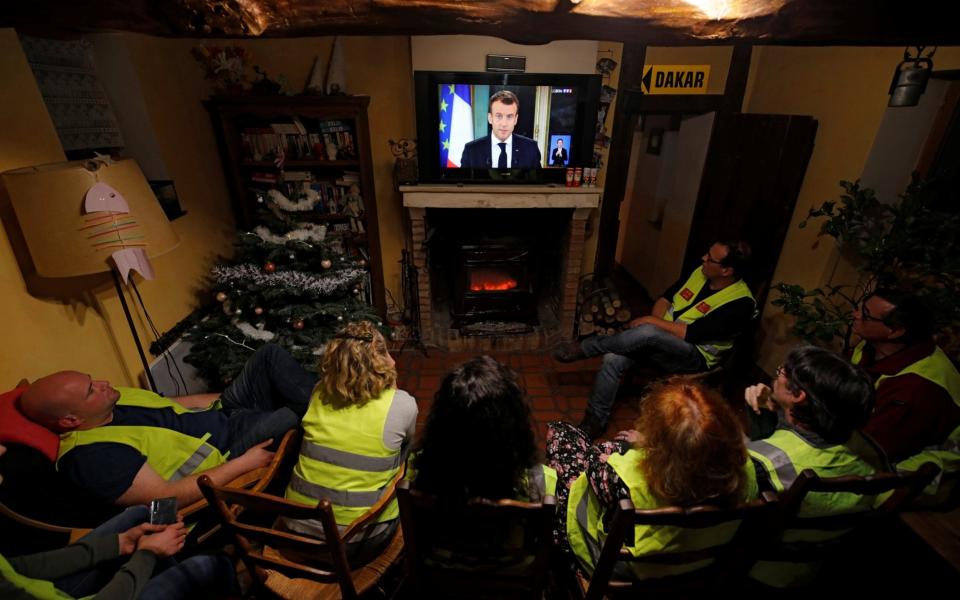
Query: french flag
[{"x": 456, "y": 123}]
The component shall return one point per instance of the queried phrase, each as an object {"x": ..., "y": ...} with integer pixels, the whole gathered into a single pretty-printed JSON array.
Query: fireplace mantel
[{"x": 499, "y": 196}]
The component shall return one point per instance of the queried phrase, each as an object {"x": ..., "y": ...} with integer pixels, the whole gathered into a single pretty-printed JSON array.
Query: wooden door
[{"x": 754, "y": 170}]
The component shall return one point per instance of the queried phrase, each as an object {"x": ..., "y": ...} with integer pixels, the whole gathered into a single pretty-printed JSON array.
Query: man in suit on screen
[
  {"x": 502, "y": 149},
  {"x": 558, "y": 157}
]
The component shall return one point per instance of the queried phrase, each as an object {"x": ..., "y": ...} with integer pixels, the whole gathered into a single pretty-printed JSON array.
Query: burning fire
[{"x": 483, "y": 280}]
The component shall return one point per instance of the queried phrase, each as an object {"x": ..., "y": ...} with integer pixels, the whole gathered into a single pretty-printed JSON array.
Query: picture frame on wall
[
  {"x": 655, "y": 141},
  {"x": 166, "y": 194}
]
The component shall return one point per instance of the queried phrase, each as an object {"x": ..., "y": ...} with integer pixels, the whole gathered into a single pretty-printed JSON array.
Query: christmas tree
[{"x": 291, "y": 282}]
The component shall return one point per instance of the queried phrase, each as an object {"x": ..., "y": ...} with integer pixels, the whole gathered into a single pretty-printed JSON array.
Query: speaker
[{"x": 506, "y": 64}]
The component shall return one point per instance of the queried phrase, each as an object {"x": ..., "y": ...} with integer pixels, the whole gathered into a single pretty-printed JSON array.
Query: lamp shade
[{"x": 65, "y": 236}]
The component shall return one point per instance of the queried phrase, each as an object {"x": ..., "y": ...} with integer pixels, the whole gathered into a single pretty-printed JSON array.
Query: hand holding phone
[{"x": 163, "y": 511}]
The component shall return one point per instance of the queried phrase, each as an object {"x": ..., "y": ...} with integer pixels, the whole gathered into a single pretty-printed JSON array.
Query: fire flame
[{"x": 486, "y": 281}]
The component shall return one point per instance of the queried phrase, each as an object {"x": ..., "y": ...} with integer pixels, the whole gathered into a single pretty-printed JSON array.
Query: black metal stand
[
  {"x": 133, "y": 329},
  {"x": 411, "y": 296}
]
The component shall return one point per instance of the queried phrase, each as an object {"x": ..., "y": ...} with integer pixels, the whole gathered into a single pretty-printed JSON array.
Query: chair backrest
[
  {"x": 481, "y": 549},
  {"x": 731, "y": 559},
  {"x": 262, "y": 545},
  {"x": 903, "y": 487}
]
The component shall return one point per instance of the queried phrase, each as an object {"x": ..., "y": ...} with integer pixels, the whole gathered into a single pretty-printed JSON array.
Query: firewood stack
[{"x": 602, "y": 311}]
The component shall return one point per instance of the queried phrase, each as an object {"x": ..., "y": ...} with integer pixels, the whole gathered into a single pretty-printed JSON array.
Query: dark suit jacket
[
  {"x": 476, "y": 154},
  {"x": 558, "y": 161}
]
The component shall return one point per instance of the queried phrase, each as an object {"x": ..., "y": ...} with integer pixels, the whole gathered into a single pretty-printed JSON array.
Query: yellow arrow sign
[{"x": 675, "y": 79}]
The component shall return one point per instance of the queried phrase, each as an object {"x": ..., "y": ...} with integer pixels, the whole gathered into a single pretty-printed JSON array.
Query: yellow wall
[
  {"x": 845, "y": 89},
  {"x": 92, "y": 335}
]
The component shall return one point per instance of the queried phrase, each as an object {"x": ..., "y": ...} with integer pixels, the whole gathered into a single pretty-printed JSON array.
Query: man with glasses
[
  {"x": 691, "y": 327},
  {"x": 820, "y": 400},
  {"x": 918, "y": 388}
]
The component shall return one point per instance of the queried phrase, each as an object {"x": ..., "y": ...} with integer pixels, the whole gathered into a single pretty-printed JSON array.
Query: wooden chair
[
  {"x": 260, "y": 547},
  {"x": 903, "y": 487},
  {"x": 484, "y": 549},
  {"x": 730, "y": 564},
  {"x": 67, "y": 528}
]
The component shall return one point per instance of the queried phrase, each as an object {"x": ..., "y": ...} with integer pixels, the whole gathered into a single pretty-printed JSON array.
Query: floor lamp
[{"x": 87, "y": 217}]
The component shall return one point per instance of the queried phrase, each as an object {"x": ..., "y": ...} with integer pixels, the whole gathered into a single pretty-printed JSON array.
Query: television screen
[{"x": 511, "y": 128}]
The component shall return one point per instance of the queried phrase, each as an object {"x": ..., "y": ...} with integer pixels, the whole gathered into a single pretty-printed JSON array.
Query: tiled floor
[{"x": 555, "y": 390}]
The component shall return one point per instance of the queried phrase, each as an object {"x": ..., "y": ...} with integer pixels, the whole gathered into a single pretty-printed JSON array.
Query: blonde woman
[{"x": 355, "y": 436}]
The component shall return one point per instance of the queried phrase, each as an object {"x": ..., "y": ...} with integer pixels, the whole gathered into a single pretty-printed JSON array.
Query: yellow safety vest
[
  {"x": 586, "y": 532},
  {"x": 784, "y": 455},
  {"x": 937, "y": 369},
  {"x": 343, "y": 459},
  {"x": 42, "y": 590},
  {"x": 714, "y": 350},
  {"x": 173, "y": 455}
]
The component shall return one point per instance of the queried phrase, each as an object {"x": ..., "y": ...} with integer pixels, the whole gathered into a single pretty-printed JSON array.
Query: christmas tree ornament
[
  {"x": 269, "y": 267},
  {"x": 238, "y": 312},
  {"x": 339, "y": 317},
  {"x": 363, "y": 262},
  {"x": 221, "y": 297},
  {"x": 292, "y": 256},
  {"x": 258, "y": 310},
  {"x": 326, "y": 263},
  {"x": 298, "y": 324}
]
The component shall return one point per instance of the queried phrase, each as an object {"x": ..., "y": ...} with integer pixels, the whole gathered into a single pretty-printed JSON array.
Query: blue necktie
[{"x": 502, "y": 161}]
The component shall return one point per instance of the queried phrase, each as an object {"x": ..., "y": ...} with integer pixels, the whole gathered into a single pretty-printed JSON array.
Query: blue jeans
[
  {"x": 196, "y": 577},
  {"x": 644, "y": 344},
  {"x": 268, "y": 397}
]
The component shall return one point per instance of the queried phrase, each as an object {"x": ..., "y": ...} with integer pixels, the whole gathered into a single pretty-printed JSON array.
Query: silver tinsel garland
[{"x": 297, "y": 280}]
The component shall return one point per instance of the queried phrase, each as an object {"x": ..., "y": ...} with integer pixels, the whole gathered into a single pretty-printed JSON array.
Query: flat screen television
[{"x": 546, "y": 122}]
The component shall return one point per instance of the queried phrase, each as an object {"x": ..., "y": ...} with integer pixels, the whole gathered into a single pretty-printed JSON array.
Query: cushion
[{"x": 15, "y": 428}]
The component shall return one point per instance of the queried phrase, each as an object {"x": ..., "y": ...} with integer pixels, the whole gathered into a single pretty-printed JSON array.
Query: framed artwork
[
  {"x": 655, "y": 141},
  {"x": 166, "y": 195}
]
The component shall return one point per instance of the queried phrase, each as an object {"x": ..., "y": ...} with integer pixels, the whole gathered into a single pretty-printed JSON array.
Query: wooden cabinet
[{"x": 315, "y": 151}]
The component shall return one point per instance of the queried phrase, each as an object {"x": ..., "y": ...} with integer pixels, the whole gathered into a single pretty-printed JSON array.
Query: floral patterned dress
[{"x": 570, "y": 453}]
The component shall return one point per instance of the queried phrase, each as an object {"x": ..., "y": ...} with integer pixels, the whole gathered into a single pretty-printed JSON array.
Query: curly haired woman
[
  {"x": 355, "y": 435},
  {"x": 687, "y": 449}
]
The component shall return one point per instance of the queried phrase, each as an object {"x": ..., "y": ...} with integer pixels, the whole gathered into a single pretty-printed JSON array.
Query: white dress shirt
[{"x": 495, "y": 150}]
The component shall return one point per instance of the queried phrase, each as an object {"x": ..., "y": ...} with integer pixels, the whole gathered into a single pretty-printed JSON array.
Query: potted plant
[{"x": 911, "y": 244}]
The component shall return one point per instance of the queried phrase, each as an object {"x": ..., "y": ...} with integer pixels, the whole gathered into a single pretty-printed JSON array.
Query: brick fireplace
[{"x": 503, "y": 277}]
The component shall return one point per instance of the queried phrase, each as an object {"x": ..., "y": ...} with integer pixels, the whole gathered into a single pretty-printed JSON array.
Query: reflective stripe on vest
[
  {"x": 585, "y": 524},
  {"x": 784, "y": 455},
  {"x": 343, "y": 458},
  {"x": 42, "y": 590},
  {"x": 935, "y": 368},
  {"x": 172, "y": 454},
  {"x": 713, "y": 350}
]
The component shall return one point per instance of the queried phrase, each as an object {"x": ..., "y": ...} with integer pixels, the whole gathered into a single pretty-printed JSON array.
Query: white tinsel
[
  {"x": 310, "y": 199},
  {"x": 305, "y": 232},
  {"x": 252, "y": 332},
  {"x": 306, "y": 282}
]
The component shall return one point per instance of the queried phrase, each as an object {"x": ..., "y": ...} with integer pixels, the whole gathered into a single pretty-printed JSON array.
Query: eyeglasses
[
  {"x": 710, "y": 259},
  {"x": 866, "y": 316}
]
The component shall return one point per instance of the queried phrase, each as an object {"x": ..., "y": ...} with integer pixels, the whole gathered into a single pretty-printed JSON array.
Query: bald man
[{"x": 128, "y": 446}]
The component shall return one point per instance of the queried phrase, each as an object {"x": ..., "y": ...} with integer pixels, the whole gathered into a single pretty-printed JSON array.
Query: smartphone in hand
[{"x": 163, "y": 511}]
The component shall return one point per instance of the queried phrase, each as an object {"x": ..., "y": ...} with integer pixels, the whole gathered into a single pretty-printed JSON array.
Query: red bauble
[
  {"x": 258, "y": 311},
  {"x": 298, "y": 324},
  {"x": 269, "y": 267}
]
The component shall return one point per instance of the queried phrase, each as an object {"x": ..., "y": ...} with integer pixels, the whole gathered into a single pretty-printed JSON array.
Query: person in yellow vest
[
  {"x": 918, "y": 388},
  {"x": 691, "y": 327},
  {"x": 478, "y": 440},
  {"x": 356, "y": 434},
  {"x": 821, "y": 400},
  {"x": 90, "y": 565},
  {"x": 157, "y": 447},
  {"x": 687, "y": 450}
]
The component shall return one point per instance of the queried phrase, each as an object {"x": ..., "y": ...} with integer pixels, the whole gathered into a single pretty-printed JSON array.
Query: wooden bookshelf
[{"x": 297, "y": 142}]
